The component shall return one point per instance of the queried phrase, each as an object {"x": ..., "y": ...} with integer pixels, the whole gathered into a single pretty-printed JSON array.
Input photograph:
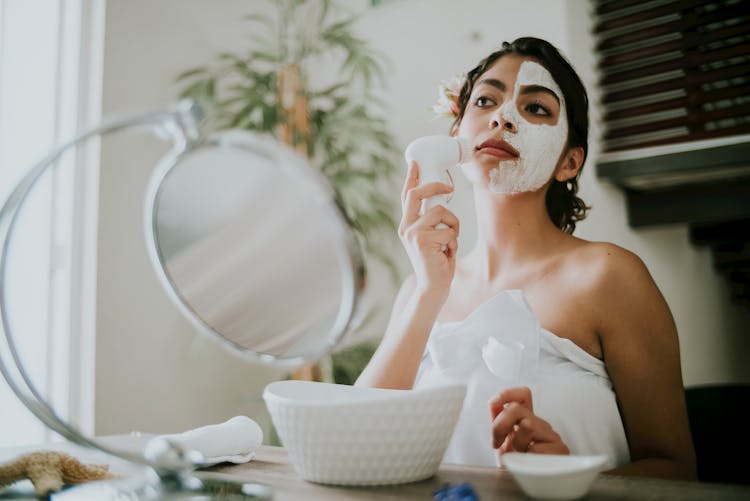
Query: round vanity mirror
[
  {"x": 252, "y": 246},
  {"x": 248, "y": 241}
]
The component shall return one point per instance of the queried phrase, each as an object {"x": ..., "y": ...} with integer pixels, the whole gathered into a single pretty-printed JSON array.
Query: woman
[{"x": 568, "y": 342}]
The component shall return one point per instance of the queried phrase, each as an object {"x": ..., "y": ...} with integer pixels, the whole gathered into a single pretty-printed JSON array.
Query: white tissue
[{"x": 234, "y": 441}]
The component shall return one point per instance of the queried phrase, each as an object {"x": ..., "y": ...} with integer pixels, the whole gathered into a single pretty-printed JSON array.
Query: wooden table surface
[{"x": 271, "y": 468}]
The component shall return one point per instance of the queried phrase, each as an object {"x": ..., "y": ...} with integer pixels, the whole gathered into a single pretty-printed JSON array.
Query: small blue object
[{"x": 455, "y": 492}]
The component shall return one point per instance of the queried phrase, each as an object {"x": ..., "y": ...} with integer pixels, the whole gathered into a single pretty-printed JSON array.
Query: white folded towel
[{"x": 234, "y": 441}]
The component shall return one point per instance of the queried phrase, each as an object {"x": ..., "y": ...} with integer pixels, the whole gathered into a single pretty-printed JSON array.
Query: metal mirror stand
[{"x": 175, "y": 467}]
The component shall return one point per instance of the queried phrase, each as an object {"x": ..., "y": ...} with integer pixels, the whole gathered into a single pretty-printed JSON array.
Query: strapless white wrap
[{"x": 501, "y": 345}]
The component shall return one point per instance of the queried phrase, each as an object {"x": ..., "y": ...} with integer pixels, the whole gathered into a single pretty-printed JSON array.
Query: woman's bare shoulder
[
  {"x": 621, "y": 295},
  {"x": 603, "y": 266}
]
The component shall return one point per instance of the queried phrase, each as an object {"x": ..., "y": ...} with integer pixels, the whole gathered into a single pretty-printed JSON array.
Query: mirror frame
[{"x": 349, "y": 252}]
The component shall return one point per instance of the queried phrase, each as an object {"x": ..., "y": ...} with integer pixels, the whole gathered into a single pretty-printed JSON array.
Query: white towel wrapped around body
[{"x": 500, "y": 345}]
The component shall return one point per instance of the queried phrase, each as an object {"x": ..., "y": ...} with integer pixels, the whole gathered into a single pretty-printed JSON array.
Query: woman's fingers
[
  {"x": 517, "y": 428},
  {"x": 452, "y": 247},
  {"x": 524, "y": 434},
  {"x": 412, "y": 179},
  {"x": 442, "y": 236},
  {"x": 532, "y": 434},
  {"x": 507, "y": 445},
  {"x": 412, "y": 196},
  {"x": 557, "y": 447},
  {"x": 432, "y": 240},
  {"x": 440, "y": 214},
  {"x": 415, "y": 195},
  {"x": 505, "y": 422},
  {"x": 520, "y": 395}
]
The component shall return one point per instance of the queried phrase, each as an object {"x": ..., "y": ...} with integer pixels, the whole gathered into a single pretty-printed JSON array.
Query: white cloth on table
[
  {"x": 501, "y": 345},
  {"x": 233, "y": 441}
]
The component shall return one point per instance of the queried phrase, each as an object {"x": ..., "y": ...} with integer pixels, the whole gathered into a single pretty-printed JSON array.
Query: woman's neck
[{"x": 512, "y": 231}]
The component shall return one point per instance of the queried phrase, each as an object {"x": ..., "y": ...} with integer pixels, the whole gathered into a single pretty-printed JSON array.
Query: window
[
  {"x": 675, "y": 80},
  {"x": 49, "y": 52},
  {"x": 673, "y": 71}
]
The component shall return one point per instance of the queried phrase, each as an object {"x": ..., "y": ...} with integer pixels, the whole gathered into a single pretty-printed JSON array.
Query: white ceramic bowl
[
  {"x": 553, "y": 476},
  {"x": 343, "y": 435}
]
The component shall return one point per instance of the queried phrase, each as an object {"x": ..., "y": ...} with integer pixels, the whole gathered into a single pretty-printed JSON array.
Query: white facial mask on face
[{"x": 539, "y": 145}]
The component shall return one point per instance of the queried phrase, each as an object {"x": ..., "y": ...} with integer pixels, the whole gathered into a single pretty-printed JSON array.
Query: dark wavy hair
[{"x": 564, "y": 206}]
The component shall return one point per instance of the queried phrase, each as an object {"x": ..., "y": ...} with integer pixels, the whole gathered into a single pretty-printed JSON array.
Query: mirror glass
[{"x": 252, "y": 244}]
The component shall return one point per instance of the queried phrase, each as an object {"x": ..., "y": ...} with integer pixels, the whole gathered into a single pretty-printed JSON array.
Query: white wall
[{"x": 179, "y": 380}]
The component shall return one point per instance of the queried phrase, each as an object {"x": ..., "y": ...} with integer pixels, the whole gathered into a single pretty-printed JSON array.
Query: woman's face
[{"x": 515, "y": 119}]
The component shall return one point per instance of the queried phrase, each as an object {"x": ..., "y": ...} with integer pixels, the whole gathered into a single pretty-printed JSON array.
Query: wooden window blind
[
  {"x": 674, "y": 77},
  {"x": 672, "y": 71}
]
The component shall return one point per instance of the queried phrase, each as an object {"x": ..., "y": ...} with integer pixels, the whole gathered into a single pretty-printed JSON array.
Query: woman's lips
[{"x": 498, "y": 148}]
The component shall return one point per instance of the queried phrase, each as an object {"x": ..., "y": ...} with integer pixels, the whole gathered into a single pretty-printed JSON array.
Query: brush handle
[{"x": 429, "y": 203}]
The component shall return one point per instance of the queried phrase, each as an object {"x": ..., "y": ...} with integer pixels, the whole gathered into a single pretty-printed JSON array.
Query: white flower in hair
[{"x": 448, "y": 92}]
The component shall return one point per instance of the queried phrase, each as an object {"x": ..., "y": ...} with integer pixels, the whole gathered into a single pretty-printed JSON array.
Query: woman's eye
[
  {"x": 483, "y": 101},
  {"x": 538, "y": 109}
]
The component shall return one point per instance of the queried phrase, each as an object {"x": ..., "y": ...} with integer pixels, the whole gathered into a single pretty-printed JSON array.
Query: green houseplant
[{"x": 266, "y": 88}]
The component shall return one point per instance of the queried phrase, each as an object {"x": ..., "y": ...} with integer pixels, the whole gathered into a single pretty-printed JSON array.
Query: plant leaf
[{"x": 191, "y": 73}]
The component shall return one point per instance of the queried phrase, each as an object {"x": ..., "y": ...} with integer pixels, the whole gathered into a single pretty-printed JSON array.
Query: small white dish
[{"x": 553, "y": 476}]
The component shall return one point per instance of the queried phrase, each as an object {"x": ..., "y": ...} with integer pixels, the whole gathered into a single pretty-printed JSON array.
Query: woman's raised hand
[
  {"x": 432, "y": 251},
  {"x": 515, "y": 427}
]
